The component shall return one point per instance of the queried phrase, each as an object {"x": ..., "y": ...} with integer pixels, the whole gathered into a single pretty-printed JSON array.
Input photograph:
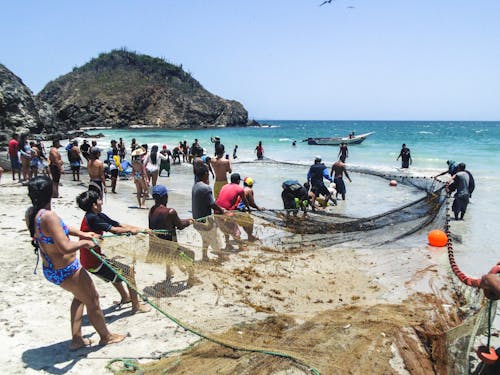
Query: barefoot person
[
  {"x": 229, "y": 199},
  {"x": 13, "y": 153},
  {"x": 60, "y": 264},
  {"x": 75, "y": 160},
  {"x": 317, "y": 172},
  {"x": 221, "y": 167},
  {"x": 96, "y": 221},
  {"x": 260, "y": 151},
  {"x": 152, "y": 164},
  {"x": 338, "y": 171},
  {"x": 114, "y": 169},
  {"x": 55, "y": 167},
  {"x": 139, "y": 173},
  {"x": 166, "y": 218},
  {"x": 95, "y": 168},
  {"x": 202, "y": 204}
]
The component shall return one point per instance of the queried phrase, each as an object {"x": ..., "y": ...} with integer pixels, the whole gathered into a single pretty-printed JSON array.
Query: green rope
[
  {"x": 489, "y": 322},
  {"x": 128, "y": 363},
  {"x": 199, "y": 334}
]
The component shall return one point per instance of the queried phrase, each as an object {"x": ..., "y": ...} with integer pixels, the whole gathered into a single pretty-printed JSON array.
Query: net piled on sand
[{"x": 249, "y": 268}]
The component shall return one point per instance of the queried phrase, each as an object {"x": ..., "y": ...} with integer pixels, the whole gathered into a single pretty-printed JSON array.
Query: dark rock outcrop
[
  {"x": 18, "y": 110},
  {"x": 122, "y": 88}
]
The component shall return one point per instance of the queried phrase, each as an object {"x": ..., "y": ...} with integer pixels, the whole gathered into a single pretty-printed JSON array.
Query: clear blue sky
[{"x": 283, "y": 59}]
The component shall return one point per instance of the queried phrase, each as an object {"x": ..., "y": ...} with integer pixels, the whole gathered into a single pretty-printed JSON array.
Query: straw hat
[{"x": 138, "y": 152}]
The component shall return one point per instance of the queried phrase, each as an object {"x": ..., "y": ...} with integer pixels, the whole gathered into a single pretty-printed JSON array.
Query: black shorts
[
  {"x": 107, "y": 274},
  {"x": 96, "y": 185},
  {"x": 460, "y": 204},
  {"x": 320, "y": 189},
  {"x": 113, "y": 173},
  {"x": 55, "y": 173}
]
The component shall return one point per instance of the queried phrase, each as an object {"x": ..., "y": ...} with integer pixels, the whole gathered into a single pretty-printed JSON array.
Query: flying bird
[{"x": 326, "y": 2}]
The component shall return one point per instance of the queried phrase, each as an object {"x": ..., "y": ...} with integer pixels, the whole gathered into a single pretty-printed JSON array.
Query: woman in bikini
[
  {"x": 139, "y": 173},
  {"x": 60, "y": 264}
]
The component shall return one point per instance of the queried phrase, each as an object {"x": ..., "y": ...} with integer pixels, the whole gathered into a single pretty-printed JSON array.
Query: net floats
[
  {"x": 487, "y": 355},
  {"x": 437, "y": 238}
]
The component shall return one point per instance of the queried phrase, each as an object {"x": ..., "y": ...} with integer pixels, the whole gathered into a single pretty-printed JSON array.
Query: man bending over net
[{"x": 96, "y": 221}]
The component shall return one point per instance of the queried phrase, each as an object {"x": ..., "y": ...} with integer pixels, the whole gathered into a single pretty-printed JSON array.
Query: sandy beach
[{"x": 369, "y": 302}]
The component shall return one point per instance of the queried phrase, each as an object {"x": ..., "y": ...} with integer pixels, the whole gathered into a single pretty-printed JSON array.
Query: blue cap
[{"x": 160, "y": 190}]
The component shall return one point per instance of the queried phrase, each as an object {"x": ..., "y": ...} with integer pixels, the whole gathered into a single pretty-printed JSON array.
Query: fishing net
[{"x": 254, "y": 266}]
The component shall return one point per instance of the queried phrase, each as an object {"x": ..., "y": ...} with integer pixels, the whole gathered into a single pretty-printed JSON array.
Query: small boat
[{"x": 335, "y": 141}]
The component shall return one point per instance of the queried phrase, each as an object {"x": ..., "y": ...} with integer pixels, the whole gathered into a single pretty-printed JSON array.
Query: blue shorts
[{"x": 15, "y": 164}]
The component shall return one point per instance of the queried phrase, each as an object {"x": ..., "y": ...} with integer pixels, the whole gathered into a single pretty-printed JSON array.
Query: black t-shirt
[
  {"x": 85, "y": 147},
  {"x": 100, "y": 222}
]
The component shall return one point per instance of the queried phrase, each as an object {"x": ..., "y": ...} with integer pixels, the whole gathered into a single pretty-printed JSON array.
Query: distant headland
[{"x": 118, "y": 89}]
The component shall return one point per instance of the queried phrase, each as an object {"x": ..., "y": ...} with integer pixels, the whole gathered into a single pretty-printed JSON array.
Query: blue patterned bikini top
[{"x": 45, "y": 239}]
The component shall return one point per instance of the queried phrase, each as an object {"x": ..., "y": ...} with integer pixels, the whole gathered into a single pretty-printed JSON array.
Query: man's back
[
  {"x": 221, "y": 167},
  {"x": 55, "y": 156},
  {"x": 462, "y": 183},
  {"x": 316, "y": 173},
  {"x": 338, "y": 169},
  {"x": 13, "y": 148},
  {"x": 95, "y": 169},
  {"x": 202, "y": 200}
]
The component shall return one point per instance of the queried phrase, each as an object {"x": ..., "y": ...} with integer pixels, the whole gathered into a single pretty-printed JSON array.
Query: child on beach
[
  {"x": 96, "y": 221},
  {"x": 60, "y": 264}
]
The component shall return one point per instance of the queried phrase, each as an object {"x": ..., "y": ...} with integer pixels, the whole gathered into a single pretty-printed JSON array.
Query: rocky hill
[
  {"x": 123, "y": 88},
  {"x": 18, "y": 109}
]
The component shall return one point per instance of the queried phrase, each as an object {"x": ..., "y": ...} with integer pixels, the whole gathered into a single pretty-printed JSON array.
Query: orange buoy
[
  {"x": 437, "y": 238},
  {"x": 393, "y": 183},
  {"x": 487, "y": 355}
]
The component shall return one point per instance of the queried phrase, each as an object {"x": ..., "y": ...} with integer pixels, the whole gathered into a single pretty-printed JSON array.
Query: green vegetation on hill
[{"x": 122, "y": 88}]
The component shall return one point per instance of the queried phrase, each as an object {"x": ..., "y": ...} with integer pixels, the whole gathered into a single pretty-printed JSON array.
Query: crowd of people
[{"x": 61, "y": 265}]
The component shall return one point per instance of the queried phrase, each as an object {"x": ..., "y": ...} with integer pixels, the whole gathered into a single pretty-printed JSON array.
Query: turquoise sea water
[{"x": 431, "y": 143}]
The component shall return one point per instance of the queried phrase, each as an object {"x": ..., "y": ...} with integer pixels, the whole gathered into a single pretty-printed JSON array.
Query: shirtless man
[
  {"x": 166, "y": 218},
  {"x": 95, "y": 168},
  {"x": 75, "y": 160},
  {"x": 221, "y": 167},
  {"x": 55, "y": 167},
  {"x": 343, "y": 152},
  {"x": 338, "y": 170},
  {"x": 247, "y": 188},
  {"x": 200, "y": 159}
]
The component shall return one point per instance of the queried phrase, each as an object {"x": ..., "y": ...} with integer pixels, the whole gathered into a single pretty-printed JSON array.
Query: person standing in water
[
  {"x": 461, "y": 183},
  {"x": 405, "y": 156},
  {"x": 343, "y": 152},
  {"x": 338, "y": 170},
  {"x": 315, "y": 176},
  {"x": 260, "y": 151}
]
